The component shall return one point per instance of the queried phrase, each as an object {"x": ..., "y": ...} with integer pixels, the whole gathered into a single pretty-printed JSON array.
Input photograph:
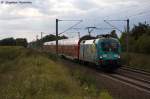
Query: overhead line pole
[
  {"x": 57, "y": 37},
  {"x": 41, "y": 40},
  {"x": 128, "y": 30}
]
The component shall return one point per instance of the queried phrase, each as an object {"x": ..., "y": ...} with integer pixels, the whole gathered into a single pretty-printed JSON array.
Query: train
[{"x": 103, "y": 51}]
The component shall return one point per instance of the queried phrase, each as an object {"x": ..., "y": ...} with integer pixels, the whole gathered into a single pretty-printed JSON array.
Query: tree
[
  {"x": 8, "y": 42},
  {"x": 113, "y": 34},
  {"x": 143, "y": 44},
  {"x": 139, "y": 39},
  {"x": 14, "y": 42},
  {"x": 47, "y": 38},
  {"x": 52, "y": 38},
  {"x": 139, "y": 30},
  {"x": 21, "y": 42},
  {"x": 123, "y": 41}
]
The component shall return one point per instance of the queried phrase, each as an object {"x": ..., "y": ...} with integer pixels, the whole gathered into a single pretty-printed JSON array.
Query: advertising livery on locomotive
[{"x": 102, "y": 51}]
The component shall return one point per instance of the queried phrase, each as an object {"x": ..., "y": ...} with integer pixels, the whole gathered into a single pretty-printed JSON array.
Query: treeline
[
  {"x": 14, "y": 42},
  {"x": 47, "y": 38},
  {"x": 139, "y": 39}
]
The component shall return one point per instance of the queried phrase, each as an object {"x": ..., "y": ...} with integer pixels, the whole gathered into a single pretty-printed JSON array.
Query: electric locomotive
[{"x": 103, "y": 51}]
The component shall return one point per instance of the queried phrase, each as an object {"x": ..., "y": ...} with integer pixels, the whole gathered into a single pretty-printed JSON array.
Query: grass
[
  {"x": 27, "y": 74},
  {"x": 104, "y": 95},
  {"x": 89, "y": 84},
  {"x": 136, "y": 60}
]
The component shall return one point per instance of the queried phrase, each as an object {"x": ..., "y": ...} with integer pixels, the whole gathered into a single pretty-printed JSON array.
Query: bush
[
  {"x": 136, "y": 60},
  {"x": 27, "y": 74},
  {"x": 34, "y": 76},
  {"x": 139, "y": 39},
  {"x": 143, "y": 44},
  {"x": 14, "y": 42}
]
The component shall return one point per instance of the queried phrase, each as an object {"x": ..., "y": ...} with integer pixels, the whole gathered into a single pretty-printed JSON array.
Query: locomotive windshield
[{"x": 110, "y": 46}]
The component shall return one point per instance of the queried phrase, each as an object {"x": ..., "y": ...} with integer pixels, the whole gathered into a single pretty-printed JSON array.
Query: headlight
[
  {"x": 117, "y": 56},
  {"x": 100, "y": 57},
  {"x": 103, "y": 56}
]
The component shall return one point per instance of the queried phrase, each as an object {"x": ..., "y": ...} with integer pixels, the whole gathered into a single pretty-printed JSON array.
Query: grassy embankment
[
  {"x": 26, "y": 74},
  {"x": 139, "y": 61}
]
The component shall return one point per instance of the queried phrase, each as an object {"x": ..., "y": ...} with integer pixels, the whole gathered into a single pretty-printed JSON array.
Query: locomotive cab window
[{"x": 110, "y": 46}]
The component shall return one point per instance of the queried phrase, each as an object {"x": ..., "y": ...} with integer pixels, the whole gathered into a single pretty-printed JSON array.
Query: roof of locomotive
[
  {"x": 111, "y": 38},
  {"x": 91, "y": 41}
]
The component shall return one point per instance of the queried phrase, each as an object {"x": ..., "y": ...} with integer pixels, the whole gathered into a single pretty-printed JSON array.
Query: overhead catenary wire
[
  {"x": 112, "y": 25},
  {"x": 130, "y": 16},
  {"x": 105, "y": 21},
  {"x": 71, "y": 26},
  {"x": 140, "y": 13},
  {"x": 70, "y": 20},
  {"x": 135, "y": 9}
]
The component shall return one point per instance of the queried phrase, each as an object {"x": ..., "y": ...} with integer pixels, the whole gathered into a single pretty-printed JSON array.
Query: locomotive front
[{"x": 109, "y": 50}]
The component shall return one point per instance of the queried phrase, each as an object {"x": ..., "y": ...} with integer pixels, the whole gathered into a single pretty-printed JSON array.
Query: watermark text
[{"x": 15, "y": 2}]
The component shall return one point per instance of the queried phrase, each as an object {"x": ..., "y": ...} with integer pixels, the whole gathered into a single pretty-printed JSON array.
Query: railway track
[
  {"x": 136, "y": 70},
  {"x": 130, "y": 81},
  {"x": 134, "y": 78},
  {"x": 134, "y": 74},
  {"x": 139, "y": 80}
]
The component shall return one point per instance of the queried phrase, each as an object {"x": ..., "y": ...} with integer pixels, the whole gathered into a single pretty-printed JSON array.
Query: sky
[{"x": 28, "y": 18}]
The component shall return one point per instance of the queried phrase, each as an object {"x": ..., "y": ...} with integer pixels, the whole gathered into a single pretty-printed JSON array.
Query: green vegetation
[
  {"x": 113, "y": 34},
  {"x": 52, "y": 38},
  {"x": 104, "y": 95},
  {"x": 27, "y": 74},
  {"x": 47, "y": 38},
  {"x": 89, "y": 84},
  {"x": 139, "y": 39},
  {"x": 139, "y": 47},
  {"x": 139, "y": 61},
  {"x": 14, "y": 42}
]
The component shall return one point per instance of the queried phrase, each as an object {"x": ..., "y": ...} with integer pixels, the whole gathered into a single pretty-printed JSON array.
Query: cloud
[{"x": 29, "y": 20}]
